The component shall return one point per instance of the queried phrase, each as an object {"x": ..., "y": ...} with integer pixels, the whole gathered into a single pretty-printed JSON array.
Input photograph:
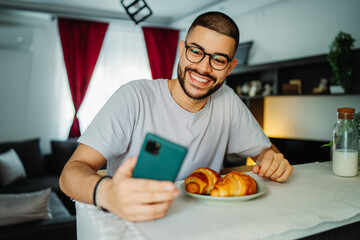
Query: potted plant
[{"x": 339, "y": 58}]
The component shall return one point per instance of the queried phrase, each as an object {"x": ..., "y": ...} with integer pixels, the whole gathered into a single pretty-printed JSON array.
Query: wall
[
  {"x": 298, "y": 28},
  {"x": 31, "y": 85},
  {"x": 287, "y": 29},
  {"x": 304, "y": 117},
  {"x": 15, "y": 69}
]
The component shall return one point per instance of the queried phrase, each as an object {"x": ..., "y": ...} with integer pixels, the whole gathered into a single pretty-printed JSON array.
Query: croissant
[
  {"x": 201, "y": 181},
  {"x": 234, "y": 184}
]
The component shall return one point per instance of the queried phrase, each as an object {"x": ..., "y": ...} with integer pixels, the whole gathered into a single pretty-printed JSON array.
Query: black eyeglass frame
[{"x": 210, "y": 56}]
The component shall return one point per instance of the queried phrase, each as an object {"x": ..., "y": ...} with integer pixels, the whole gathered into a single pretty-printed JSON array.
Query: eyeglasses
[{"x": 217, "y": 61}]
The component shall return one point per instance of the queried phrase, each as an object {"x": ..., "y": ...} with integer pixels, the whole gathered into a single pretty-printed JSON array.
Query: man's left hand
[{"x": 273, "y": 165}]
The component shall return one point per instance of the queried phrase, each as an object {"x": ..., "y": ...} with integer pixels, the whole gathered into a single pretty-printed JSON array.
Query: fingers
[
  {"x": 146, "y": 212},
  {"x": 127, "y": 167},
  {"x": 256, "y": 169},
  {"x": 142, "y": 191},
  {"x": 150, "y": 197},
  {"x": 274, "y": 166},
  {"x": 138, "y": 199},
  {"x": 285, "y": 175},
  {"x": 140, "y": 185},
  {"x": 270, "y": 163},
  {"x": 142, "y": 205},
  {"x": 143, "y": 200}
]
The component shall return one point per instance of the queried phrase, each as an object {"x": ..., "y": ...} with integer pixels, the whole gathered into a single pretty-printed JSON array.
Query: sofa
[{"x": 32, "y": 205}]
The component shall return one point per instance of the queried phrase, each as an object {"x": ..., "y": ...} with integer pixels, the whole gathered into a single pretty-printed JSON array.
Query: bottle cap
[
  {"x": 346, "y": 110},
  {"x": 346, "y": 113}
]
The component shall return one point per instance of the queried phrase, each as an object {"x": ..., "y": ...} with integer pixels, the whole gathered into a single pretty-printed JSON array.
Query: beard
[{"x": 181, "y": 77}]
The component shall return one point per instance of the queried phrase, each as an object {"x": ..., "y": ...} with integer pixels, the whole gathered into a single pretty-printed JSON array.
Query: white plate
[{"x": 261, "y": 189}]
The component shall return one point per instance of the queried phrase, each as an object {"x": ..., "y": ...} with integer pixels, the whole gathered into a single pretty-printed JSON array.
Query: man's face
[{"x": 200, "y": 80}]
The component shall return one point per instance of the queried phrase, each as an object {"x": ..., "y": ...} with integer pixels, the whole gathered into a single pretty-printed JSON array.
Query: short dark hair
[{"x": 218, "y": 22}]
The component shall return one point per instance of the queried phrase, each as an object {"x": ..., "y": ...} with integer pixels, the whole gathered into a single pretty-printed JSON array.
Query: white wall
[
  {"x": 305, "y": 117},
  {"x": 287, "y": 29},
  {"x": 15, "y": 69},
  {"x": 32, "y": 82},
  {"x": 298, "y": 28}
]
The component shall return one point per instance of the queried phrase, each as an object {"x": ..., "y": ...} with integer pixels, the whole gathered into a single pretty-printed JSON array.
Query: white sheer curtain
[{"x": 123, "y": 58}]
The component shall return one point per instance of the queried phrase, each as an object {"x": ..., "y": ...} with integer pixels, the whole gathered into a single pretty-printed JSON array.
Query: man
[{"x": 195, "y": 110}]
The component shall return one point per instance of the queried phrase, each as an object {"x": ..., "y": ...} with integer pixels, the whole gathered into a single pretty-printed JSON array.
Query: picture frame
[{"x": 242, "y": 53}]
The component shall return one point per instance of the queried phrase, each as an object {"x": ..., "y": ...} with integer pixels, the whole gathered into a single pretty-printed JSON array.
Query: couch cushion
[
  {"x": 58, "y": 210},
  {"x": 30, "y": 154},
  {"x": 61, "y": 153},
  {"x": 61, "y": 226},
  {"x": 11, "y": 168},
  {"x": 24, "y": 207},
  {"x": 38, "y": 183},
  {"x": 32, "y": 185}
]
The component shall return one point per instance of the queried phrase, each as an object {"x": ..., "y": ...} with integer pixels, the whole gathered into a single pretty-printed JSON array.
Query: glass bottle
[{"x": 345, "y": 144}]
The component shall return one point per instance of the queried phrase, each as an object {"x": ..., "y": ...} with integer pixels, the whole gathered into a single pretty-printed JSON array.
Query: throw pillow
[
  {"x": 30, "y": 154},
  {"x": 24, "y": 207},
  {"x": 11, "y": 168},
  {"x": 61, "y": 153}
]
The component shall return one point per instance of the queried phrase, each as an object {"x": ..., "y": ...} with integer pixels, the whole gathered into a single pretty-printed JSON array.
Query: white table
[{"x": 313, "y": 200}]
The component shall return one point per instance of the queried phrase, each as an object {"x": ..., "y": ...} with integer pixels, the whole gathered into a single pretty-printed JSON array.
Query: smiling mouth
[{"x": 199, "y": 81}]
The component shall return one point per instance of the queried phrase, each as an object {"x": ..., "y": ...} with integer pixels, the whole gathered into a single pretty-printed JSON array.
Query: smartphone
[{"x": 159, "y": 159}]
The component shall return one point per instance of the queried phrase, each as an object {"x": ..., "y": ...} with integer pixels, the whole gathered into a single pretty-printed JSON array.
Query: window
[{"x": 123, "y": 58}]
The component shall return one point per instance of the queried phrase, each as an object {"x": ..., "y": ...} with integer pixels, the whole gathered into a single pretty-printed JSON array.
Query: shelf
[
  {"x": 246, "y": 97},
  {"x": 279, "y": 64},
  {"x": 310, "y": 70}
]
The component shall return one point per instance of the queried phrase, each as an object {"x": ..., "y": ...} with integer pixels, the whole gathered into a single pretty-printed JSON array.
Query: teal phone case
[{"x": 159, "y": 159}]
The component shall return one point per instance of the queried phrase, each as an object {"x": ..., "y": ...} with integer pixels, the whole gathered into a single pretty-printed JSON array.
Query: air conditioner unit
[{"x": 16, "y": 38}]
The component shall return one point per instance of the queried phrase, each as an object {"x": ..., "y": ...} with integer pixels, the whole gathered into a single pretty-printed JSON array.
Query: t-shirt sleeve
[
  {"x": 247, "y": 138},
  {"x": 110, "y": 131}
]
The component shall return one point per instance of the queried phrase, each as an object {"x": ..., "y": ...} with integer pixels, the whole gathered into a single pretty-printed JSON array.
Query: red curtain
[
  {"x": 161, "y": 45},
  {"x": 81, "y": 43}
]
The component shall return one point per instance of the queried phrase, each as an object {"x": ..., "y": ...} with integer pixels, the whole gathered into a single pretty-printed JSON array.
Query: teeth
[{"x": 199, "y": 79}]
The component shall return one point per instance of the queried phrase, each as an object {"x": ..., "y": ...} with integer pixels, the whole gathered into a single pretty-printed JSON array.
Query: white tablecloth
[{"x": 312, "y": 200}]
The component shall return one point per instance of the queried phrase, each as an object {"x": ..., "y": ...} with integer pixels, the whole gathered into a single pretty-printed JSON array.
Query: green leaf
[
  {"x": 357, "y": 121},
  {"x": 328, "y": 144}
]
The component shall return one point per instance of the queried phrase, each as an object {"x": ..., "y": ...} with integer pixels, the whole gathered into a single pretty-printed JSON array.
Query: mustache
[{"x": 202, "y": 74}]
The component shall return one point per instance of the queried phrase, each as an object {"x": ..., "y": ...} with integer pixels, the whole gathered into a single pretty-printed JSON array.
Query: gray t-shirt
[{"x": 223, "y": 125}]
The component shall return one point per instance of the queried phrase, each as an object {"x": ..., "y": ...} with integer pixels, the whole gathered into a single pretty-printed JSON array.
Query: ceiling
[{"x": 165, "y": 12}]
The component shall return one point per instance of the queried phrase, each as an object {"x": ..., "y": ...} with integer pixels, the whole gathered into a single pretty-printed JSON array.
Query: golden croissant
[
  {"x": 201, "y": 181},
  {"x": 234, "y": 184}
]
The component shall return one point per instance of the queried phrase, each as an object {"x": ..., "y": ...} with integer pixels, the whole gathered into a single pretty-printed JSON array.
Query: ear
[
  {"x": 232, "y": 65},
  {"x": 181, "y": 46}
]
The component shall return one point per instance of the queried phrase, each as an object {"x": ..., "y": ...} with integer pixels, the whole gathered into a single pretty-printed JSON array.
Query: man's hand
[
  {"x": 273, "y": 165},
  {"x": 136, "y": 199}
]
